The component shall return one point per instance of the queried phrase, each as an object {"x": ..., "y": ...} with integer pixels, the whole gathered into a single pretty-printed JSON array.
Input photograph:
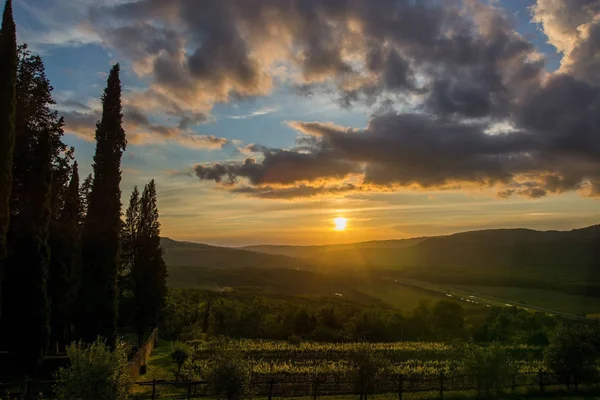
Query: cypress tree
[
  {"x": 64, "y": 267},
  {"x": 129, "y": 233},
  {"x": 98, "y": 295},
  {"x": 26, "y": 326},
  {"x": 149, "y": 272},
  {"x": 128, "y": 256},
  {"x": 84, "y": 197},
  {"x": 8, "y": 79},
  {"x": 38, "y": 152}
]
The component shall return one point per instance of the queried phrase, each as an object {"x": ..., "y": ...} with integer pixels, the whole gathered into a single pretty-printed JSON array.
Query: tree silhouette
[
  {"x": 101, "y": 230},
  {"x": 38, "y": 153},
  {"x": 149, "y": 271},
  {"x": 64, "y": 266},
  {"x": 8, "y": 79},
  {"x": 26, "y": 323}
]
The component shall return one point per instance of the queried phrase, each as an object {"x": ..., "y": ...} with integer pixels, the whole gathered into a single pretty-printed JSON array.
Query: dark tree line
[
  {"x": 145, "y": 271},
  {"x": 60, "y": 241}
]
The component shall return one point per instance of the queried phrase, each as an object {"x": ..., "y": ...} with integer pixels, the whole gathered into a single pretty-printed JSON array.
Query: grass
[
  {"x": 401, "y": 297},
  {"x": 160, "y": 366},
  {"x": 568, "y": 303}
]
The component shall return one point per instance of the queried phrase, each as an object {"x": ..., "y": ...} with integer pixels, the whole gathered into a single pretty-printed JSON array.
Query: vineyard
[
  {"x": 281, "y": 360},
  {"x": 304, "y": 350}
]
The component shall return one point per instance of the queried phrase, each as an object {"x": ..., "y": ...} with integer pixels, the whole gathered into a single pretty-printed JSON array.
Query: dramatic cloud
[
  {"x": 140, "y": 130},
  {"x": 280, "y": 167},
  {"x": 477, "y": 75},
  {"x": 573, "y": 27},
  {"x": 464, "y": 54},
  {"x": 444, "y": 75},
  {"x": 420, "y": 151}
]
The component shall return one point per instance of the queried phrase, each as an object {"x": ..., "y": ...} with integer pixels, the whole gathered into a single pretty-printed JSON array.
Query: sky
[{"x": 264, "y": 120}]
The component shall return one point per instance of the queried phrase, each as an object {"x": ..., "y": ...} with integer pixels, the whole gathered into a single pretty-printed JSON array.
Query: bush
[
  {"x": 95, "y": 373},
  {"x": 368, "y": 368},
  {"x": 180, "y": 353},
  {"x": 491, "y": 366},
  {"x": 230, "y": 375},
  {"x": 573, "y": 353}
]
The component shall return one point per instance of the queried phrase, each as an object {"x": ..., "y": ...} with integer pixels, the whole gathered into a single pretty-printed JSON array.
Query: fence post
[
  {"x": 27, "y": 389},
  {"x": 441, "y": 385},
  {"x": 271, "y": 388},
  {"x": 153, "y": 389},
  {"x": 400, "y": 386},
  {"x": 315, "y": 388},
  {"x": 189, "y": 396},
  {"x": 514, "y": 382},
  {"x": 541, "y": 375}
]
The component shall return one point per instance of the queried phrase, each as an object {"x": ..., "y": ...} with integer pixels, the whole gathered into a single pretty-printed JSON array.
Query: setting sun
[{"x": 340, "y": 223}]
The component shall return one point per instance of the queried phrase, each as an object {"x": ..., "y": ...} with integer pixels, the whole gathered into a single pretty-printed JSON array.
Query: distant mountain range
[{"x": 522, "y": 257}]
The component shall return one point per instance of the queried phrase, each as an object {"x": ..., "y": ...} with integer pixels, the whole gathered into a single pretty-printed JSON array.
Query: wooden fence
[
  {"x": 317, "y": 387},
  {"x": 143, "y": 354}
]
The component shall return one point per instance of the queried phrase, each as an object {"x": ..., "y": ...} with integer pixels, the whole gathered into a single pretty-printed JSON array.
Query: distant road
[{"x": 482, "y": 299}]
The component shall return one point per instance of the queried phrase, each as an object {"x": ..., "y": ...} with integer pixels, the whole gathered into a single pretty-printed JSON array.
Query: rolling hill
[
  {"x": 206, "y": 256},
  {"x": 316, "y": 251},
  {"x": 565, "y": 260},
  {"x": 559, "y": 260}
]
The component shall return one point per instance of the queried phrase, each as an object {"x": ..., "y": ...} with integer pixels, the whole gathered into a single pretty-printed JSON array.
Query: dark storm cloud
[
  {"x": 404, "y": 150},
  {"x": 417, "y": 149},
  {"x": 278, "y": 167}
]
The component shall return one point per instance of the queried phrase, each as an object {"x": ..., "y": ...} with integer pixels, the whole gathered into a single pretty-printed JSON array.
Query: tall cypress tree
[
  {"x": 100, "y": 238},
  {"x": 8, "y": 79},
  {"x": 38, "y": 152},
  {"x": 63, "y": 280},
  {"x": 129, "y": 234},
  {"x": 128, "y": 256},
  {"x": 149, "y": 272},
  {"x": 26, "y": 325}
]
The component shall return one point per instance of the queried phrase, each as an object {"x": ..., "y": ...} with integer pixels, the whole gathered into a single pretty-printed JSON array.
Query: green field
[
  {"x": 401, "y": 297},
  {"x": 558, "y": 301}
]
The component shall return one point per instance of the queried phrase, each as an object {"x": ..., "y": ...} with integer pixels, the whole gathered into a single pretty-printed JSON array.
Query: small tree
[
  {"x": 368, "y": 368},
  {"x": 490, "y": 366},
  {"x": 573, "y": 352},
  {"x": 230, "y": 375},
  {"x": 180, "y": 353},
  {"x": 95, "y": 373}
]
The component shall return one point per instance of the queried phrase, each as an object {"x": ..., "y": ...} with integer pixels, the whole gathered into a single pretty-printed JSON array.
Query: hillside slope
[
  {"x": 205, "y": 256},
  {"x": 568, "y": 260},
  {"x": 314, "y": 251}
]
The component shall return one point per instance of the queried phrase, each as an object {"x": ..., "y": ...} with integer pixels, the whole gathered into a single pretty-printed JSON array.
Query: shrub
[
  {"x": 180, "y": 353},
  {"x": 95, "y": 373},
  {"x": 368, "y": 368},
  {"x": 230, "y": 375},
  {"x": 294, "y": 340},
  {"x": 490, "y": 366},
  {"x": 573, "y": 352}
]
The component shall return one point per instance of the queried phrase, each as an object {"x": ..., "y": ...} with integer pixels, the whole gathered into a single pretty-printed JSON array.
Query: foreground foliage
[
  {"x": 574, "y": 352},
  {"x": 95, "y": 373},
  {"x": 230, "y": 375}
]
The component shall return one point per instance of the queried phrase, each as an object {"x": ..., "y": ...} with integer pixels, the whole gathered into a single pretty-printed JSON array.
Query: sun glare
[{"x": 340, "y": 223}]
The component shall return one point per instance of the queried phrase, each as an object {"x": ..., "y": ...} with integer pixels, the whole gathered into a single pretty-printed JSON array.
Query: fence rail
[{"x": 318, "y": 386}]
